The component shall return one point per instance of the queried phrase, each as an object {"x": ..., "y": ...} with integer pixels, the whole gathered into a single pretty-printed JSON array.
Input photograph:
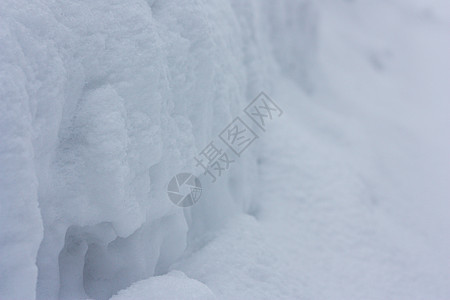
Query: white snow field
[{"x": 345, "y": 196}]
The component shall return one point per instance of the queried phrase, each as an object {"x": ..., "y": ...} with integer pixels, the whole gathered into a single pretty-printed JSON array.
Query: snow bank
[{"x": 103, "y": 102}]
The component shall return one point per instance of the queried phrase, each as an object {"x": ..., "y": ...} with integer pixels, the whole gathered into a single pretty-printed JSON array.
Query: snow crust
[{"x": 102, "y": 102}]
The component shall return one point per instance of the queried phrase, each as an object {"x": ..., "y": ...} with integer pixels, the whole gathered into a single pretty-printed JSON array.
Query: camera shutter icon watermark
[{"x": 184, "y": 189}]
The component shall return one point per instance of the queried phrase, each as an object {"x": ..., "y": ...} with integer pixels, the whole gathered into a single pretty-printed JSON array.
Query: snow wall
[{"x": 102, "y": 103}]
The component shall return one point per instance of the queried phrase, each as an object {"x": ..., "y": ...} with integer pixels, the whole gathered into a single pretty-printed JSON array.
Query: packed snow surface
[{"x": 345, "y": 196}]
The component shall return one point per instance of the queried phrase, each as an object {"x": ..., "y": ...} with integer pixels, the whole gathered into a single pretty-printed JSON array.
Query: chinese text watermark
[{"x": 185, "y": 189}]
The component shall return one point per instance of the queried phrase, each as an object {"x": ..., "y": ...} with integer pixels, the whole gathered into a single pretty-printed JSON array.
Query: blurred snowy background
[{"x": 344, "y": 197}]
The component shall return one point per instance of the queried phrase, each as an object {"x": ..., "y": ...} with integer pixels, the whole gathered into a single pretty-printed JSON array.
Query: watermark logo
[
  {"x": 185, "y": 189},
  {"x": 262, "y": 110},
  {"x": 238, "y": 136}
]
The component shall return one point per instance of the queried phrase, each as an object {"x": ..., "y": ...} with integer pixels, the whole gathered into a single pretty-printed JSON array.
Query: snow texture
[
  {"x": 345, "y": 197},
  {"x": 174, "y": 285}
]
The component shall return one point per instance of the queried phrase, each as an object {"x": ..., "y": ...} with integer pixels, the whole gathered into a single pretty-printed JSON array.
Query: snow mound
[{"x": 175, "y": 285}]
